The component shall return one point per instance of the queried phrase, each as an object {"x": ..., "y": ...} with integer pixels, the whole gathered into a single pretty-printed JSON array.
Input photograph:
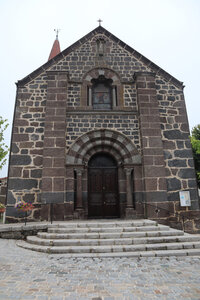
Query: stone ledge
[
  {"x": 128, "y": 111},
  {"x": 20, "y": 231}
]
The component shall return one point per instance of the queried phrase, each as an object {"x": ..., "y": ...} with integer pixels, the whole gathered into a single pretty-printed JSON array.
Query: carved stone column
[
  {"x": 79, "y": 189},
  {"x": 114, "y": 102},
  {"x": 90, "y": 96},
  {"x": 130, "y": 212},
  {"x": 79, "y": 212},
  {"x": 129, "y": 202}
]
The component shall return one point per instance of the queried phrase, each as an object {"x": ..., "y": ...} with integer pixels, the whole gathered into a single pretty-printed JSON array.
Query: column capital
[
  {"x": 79, "y": 171},
  {"x": 128, "y": 170}
]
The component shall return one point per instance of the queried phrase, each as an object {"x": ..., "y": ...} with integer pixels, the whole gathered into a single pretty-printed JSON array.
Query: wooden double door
[{"x": 103, "y": 187}]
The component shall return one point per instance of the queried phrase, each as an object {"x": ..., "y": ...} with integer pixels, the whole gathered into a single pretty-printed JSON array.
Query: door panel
[
  {"x": 109, "y": 180},
  {"x": 95, "y": 193},
  {"x": 103, "y": 191},
  {"x": 95, "y": 180},
  {"x": 110, "y": 201}
]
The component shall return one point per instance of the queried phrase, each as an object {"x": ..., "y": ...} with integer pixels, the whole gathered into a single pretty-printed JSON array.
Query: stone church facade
[{"x": 101, "y": 132}]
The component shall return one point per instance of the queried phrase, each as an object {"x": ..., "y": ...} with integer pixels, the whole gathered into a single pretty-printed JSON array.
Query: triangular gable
[{"x": 154, "y": 68}]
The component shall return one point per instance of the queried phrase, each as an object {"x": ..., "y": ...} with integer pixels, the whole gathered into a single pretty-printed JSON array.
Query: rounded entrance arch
[
  {"x": 79, "y": 185},
  {"x": 103, "y": 186}
]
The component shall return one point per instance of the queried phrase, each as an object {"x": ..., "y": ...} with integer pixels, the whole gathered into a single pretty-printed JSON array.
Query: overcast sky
[{"x": 165, "y": 31}]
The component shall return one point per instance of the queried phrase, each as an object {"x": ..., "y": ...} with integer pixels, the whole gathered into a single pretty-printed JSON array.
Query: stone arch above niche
[
  {"x": 100, "y": 36},
  {"x": 106, "y": 43},
  {"x": 103, "y": 140},
  {"x": 95, "y": 73},
  {"x": 108, "y": 74}
]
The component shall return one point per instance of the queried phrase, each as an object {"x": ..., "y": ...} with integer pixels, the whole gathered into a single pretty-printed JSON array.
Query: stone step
[
  {"x": 158, "y": 253},
  {"x": 156, "y": 249},
  {"x": 102, "y": 242},
  {"x": 105, "y": 235},
  {"x": 135, "y": 238},
  {"x": 104, "y": 224},
  {"x": 108, "y": 229}
]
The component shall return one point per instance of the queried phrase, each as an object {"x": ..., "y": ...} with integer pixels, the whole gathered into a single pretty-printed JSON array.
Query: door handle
[{"x": 103, "y": 188}]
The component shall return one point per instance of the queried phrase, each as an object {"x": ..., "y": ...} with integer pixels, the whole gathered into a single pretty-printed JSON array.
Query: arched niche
[{"x": 96, "y": 75}]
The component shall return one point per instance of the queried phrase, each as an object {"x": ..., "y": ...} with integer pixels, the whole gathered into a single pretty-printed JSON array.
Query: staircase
[{"x": 113, "y": 238}]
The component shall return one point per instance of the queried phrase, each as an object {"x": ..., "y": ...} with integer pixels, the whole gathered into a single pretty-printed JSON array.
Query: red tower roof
[{"x": 55, "y": 49}]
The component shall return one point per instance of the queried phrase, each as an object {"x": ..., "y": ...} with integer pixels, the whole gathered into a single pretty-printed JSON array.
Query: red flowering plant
[
  {"x": 24, "y": 206},
  {"x": 2, "y": 208}
]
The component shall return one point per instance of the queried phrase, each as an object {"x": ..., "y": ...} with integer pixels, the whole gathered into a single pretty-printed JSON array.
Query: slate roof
[{"x": 101, "y": 30}]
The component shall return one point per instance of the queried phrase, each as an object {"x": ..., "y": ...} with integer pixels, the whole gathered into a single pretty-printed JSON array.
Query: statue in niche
[{"x": 100, "y": 47}]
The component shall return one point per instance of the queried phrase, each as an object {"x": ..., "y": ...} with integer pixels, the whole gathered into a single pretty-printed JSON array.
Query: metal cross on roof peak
[{"x": 100, "y": 21}]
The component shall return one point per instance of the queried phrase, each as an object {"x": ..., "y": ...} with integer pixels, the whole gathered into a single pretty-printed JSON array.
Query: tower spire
[{"x": 56, "y": 46}]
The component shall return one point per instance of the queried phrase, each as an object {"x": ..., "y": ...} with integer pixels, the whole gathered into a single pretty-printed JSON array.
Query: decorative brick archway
[{"x": 78, "y": 156}]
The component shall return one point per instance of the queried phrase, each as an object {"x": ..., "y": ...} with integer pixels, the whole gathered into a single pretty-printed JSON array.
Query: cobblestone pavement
[{"x": 30, "y": 275}]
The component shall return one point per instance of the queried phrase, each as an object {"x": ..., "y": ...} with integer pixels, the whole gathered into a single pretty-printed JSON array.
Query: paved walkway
[{"x": 30, "y": 275}]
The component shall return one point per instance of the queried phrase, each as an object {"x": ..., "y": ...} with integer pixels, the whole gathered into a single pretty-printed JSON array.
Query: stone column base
[
  {"x": 79, "y": 213},
  {"x": 130, "y": 213}
]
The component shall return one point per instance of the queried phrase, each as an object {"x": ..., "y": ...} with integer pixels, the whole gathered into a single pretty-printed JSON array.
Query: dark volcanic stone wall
[
  {"x": 84, "y": 58},
  {"x": 27, "y": 145},
  {"x": 180, "y": 172},
  {"x": 79, "y": 123}
]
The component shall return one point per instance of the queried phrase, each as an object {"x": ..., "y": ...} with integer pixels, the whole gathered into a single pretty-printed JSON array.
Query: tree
[
  {"x": 195, "y": 141},
  {"x": 3, "y": 147}
]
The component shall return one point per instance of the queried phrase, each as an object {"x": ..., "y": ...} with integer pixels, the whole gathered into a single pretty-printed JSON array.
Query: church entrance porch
[
  {"x": 102, "y": 187},
  {"x": 103, "y": 176}
]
